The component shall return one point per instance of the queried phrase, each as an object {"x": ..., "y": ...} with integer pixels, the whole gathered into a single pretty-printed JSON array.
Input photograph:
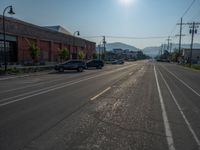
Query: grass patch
[{"x": 194, "y": 66}]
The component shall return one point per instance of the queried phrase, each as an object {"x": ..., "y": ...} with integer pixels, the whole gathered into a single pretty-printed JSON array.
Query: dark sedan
[
  {"x": 95, "y": 63},
  {"x": 78, "y": 65}
]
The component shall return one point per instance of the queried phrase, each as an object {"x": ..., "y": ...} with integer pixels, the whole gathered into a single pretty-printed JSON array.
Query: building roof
[
  {"x": 58, "y": 28},
  {"x": 60, "y": 31}
]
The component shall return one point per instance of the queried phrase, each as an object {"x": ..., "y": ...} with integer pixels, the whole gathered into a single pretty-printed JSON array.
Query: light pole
[
  {"x": 11, "y": 12},
  {"x": 78, "y": 34},
  {"x": 99, "y": 46}
]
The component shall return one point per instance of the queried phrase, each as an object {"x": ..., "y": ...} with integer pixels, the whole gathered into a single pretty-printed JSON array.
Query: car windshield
[{"x": 99, "y": 74}]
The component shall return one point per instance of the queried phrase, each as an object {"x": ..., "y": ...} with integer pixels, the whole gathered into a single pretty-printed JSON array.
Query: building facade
[
  {"x": 195, "y": 55},
  {"x": 20, "y": 34}
]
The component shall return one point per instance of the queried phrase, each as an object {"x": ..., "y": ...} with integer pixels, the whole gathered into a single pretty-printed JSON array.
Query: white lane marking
[
  {"x": 43, "y": 92},
  {"x": 168, "y": 131},
  {"x": 183, "y": 115},
  {"x": 36, "y": 84},
  {"x": 183, "y": 82},
  {"x": 11, "y": 90},
  {"x": 104, "y": 91},
  {"x": 32, "y": 92},
  {"x": 53, "y": 88}
]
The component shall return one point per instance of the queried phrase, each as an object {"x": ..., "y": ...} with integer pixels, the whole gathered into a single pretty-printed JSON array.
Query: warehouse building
[
  {"x": 20, "y": 34},
  {"x": 195, "y": 56}
]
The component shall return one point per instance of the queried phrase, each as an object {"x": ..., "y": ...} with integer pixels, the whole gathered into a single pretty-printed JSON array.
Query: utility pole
[
  {"x": 99, "y": 50},
  {"x": 180, "y": 35},
  {"x": 168, "y": 47},
  {"x": 164, "y": 46},
  {"x": 168, "y": 40},
  {"x": 104, "y": 46},
  {"x": 170, "y": 50},
  {"x": 193, "y": 30}
]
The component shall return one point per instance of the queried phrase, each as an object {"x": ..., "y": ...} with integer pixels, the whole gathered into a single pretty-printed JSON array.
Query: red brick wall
[
  {"x": 54, "y": 40},
  {"x": 23, "y": 48},
  {"x": 45, "y": 50},
  {"x": 56, "y": 47},
  {"x": 49, "y": 49}
]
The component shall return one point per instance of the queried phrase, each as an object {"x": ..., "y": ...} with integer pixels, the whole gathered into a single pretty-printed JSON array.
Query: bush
[
  {"x": 34, "y": 52},
  {"x": 94, "y": 56},
  {"x": 63, "y": 54},
  {"x": 81, "y": 55}
]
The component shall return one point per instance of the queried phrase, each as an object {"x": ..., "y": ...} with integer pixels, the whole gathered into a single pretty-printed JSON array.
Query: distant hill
[
  {"x": 150, "y": 51},
  {"x": 111, "y": 46},
  {"x": 154, "y": 51}
]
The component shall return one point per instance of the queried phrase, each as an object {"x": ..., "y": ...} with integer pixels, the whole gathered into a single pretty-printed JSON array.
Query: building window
[{"x": 11, "y": 51}]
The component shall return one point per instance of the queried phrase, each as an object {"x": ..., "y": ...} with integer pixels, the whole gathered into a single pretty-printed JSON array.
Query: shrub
[
  {"x": 34, "y": 52},
  {"x": 63, "y": 54},
  {"x": 81, "y": 55}
]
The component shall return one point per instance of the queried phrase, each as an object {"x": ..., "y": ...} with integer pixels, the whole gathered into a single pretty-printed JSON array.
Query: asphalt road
[{"x": 141, "y": 105}]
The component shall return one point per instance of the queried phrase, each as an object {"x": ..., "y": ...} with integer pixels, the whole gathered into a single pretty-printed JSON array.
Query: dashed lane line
[
  {"x": 101, "y": 93},
  {"x": 53, "y": 88}
]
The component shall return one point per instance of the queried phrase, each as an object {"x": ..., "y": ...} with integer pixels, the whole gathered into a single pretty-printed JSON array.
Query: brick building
[{"x": 20, "y": 34}]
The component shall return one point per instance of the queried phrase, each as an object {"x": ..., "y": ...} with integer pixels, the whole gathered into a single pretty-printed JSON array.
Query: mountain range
[
  {"x": 116, "y": 45},
  {"x": 151, "y": 51}
]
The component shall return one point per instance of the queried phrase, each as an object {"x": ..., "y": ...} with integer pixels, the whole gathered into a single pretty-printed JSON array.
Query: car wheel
[
  {"x": 80, "y": 69},
  {"x": 99, "y": 67},
  {"x": 61, "y": 69}
]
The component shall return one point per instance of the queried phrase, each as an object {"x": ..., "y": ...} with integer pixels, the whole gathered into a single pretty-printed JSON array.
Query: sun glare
[{"x": 126, "y": 2}]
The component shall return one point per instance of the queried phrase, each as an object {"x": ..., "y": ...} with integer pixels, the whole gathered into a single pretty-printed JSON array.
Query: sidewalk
[{"x": 26, "y": 71}]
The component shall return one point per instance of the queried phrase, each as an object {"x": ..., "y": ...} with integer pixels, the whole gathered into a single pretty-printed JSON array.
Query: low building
[
  {"x": 118, "y": 51},
  {"x": 20, "y": 34},
  {"x": 195, "y": 55}
]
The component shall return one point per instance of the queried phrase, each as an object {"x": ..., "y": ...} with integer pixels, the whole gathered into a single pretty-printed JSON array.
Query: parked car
[
  {"x": 95, "y": 63},
  {"x": 78, "y": 65},
  {"x": 118, "y": 62}
]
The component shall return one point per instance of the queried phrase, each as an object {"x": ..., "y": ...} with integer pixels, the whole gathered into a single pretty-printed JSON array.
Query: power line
[
  {"x": 187, "y": 10},
  {"x": 129, "y": 37}
]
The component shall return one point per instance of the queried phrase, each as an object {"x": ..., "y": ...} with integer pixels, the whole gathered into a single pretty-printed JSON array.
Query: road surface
[{"x": 141, "y": 105}]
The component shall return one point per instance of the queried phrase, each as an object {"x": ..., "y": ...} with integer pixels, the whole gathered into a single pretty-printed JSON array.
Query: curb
[{"x": 23, "y": 76}]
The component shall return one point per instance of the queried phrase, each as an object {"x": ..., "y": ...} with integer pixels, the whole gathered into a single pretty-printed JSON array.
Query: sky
[{"x": 133, "y": 22}]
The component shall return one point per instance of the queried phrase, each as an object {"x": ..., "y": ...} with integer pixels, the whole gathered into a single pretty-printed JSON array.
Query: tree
[
  {"x": 63, "y": 54},
  {"x": 81, "y": 55},
  {"x": 94, "y": 55},
  {"x": 166, "y": 55},
  {"x": 34, "y": 52},
  {"x": 175, "y": 55}
]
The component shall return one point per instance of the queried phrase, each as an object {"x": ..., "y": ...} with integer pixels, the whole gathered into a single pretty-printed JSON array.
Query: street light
[
  {"x": 11, "y": 12},
  {"x": 78, "y": 34}
]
